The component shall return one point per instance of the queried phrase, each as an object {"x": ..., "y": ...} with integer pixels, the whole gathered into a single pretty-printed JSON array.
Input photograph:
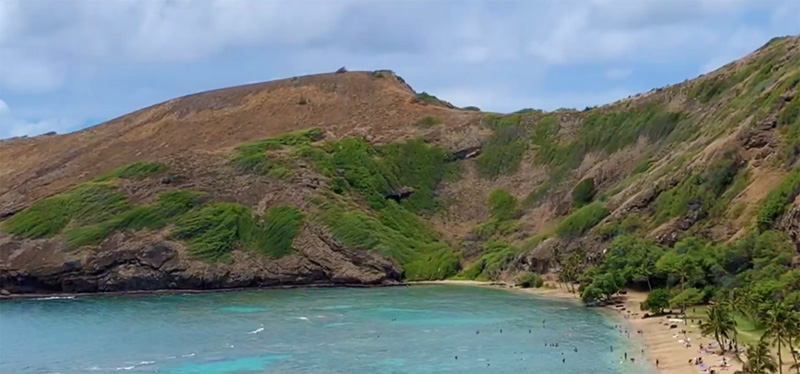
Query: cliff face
[{"x": 354, "y": 178}]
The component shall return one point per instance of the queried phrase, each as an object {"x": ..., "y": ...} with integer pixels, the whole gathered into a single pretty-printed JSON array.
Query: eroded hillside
[{"x": 354, "y": 178}]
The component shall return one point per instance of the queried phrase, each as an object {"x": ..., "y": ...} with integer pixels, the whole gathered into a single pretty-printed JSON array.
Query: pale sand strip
[{"x": 660, "y": 341}]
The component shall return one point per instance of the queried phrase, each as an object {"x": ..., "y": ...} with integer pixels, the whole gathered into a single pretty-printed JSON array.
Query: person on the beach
[
  {"x": 656, "y": 362},
  {"x": 626, "y": 355}
]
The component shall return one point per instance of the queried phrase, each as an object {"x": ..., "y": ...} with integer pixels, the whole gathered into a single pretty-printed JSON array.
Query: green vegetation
[
  {"x": 138, "y": 170},
  {"x": 582, "y": 220},
  {"x": 166, "y": 208},
  {"x": 427, "y": 122},
  {"x": 255, "y": 157},
  {"x": 496, "y": 256},
  {"x": 502, "y": 205},
  {"x": 428, "y": 98},
  {"x": 502, "y": 152},
  {"x": 606, "y": 131},
  {"x": 499, "y": 121},
  {"x": 528, "y": 280},
  {"x": 275, "y": 234},
  {"x": 583, "y": 193},
  {"x": 777, "y": 200},
  {"x": 86, "y": 204},
  {"x": 215, "y": 230},
  {"x": 657, "y": 301},
  {"x": 699, "y": 192},
  {"x": 396, "y": 233}
]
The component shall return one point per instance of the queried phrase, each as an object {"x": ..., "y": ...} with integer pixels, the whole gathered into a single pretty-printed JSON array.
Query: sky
[{"x": 69, "y": 64}]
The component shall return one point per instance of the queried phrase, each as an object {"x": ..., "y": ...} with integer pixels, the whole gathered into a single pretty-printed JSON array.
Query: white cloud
[{"x": 11, "y": 126}]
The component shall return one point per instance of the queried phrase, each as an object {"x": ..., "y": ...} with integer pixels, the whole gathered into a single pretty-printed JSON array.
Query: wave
[
  {"x": 189, "y": 355},
  {"x": 55, "y": 298},
  {"x": 256, "y": 331},
  {"x": 126, "y": 368},
  {"x": 302, "y": 318},
  {"x": 142, "y": 363}
]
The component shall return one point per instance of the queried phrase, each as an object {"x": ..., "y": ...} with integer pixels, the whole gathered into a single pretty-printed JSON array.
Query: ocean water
[{"x": 416, "y": 330}]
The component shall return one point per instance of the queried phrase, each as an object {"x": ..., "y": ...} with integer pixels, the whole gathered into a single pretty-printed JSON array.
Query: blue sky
[{"x": 69, "y": 64}]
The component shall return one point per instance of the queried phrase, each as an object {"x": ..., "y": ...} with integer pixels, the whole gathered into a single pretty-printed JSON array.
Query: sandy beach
[{"x": 661, "y": 342}]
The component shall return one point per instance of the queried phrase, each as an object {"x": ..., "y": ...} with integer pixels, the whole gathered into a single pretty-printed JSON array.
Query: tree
[
  {"x": 759, "y": 360},
  {"x": 720, "y": 323},
  {"x": 689, "y": 296},
  {"x": 657, "y": 300},
  {"x": 780, "y": 323},
  {"x": 680, "y": 266}
]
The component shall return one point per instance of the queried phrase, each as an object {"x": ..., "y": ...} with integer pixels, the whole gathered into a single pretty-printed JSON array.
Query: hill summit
[{"x": 354, "y": 178}]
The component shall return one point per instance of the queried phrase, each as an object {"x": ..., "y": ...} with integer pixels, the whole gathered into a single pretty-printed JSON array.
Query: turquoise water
[{"x": 418, "y": 330}]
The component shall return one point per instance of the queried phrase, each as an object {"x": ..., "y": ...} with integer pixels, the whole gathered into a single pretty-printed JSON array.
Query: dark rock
[
  {"x": 341, "y": 70},
  {"x": 465, "y": 153},
  {"x": 4, "y": 292},
  {"x": 400, "y": 194}
]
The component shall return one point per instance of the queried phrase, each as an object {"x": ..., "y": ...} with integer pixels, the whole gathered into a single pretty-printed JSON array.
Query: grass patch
[
  {"x": 274, "y": 235},
  {"x": 428, "y": 122},
  {"x": 497, "y": 255},
  {"x": 138, "y": 170},
  {"x": 775, "y": 203},
  {"x": 700, "y": 192},
  {"x": 582, "y": 220},
  {"x": 86, "y": 204},
  {"x": 396, "y": 233},
  {"x": 214, "y": 231},
  {"x": 502, "y": 152},
  {"x": 255, "y": 158},
  {"x": 165, "y": 209}
]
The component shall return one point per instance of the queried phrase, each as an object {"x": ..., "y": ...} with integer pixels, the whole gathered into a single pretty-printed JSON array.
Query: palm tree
[
  {"x": 779, "y": 326},
  {"x": 719, "y": 324},
  {"x": 738, "y": 302},
  {"x": 759, "y": 360}
]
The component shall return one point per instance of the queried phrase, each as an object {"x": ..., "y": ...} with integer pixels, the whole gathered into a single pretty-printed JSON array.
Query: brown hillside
[
  {"x": 481, "y": 196},
  {"x": 377, "y": 106}
]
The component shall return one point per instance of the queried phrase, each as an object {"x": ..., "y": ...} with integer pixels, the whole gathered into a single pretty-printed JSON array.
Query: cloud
[
  {"x": 81, "y": 59},
  {"x": 11, "y": 126}
]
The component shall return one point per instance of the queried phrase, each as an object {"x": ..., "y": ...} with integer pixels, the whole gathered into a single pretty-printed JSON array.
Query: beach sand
[{"x": 660, "y": 342}]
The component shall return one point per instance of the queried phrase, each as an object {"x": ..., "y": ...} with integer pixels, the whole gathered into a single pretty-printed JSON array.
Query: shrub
[
  {"x": 496, "y": 256},
  {"x": 502, "y": 152},
  {"x": 528, "y": 280},
  {"x": 138, "y": 170},
  {"x": 253, "y": 157},
  {"x": 689, "y": 297},
  {"x": 775, "y": 203},
  {"x": 582, "y": 220},
  {"x": 427, "y": 121},
  {"x": 657, "y": 300},
  {"x": 396, "y": 233},
  {"x": 275, "y": 234},
  {"x": 499, "y": 121},
  {"x": 502, "y": 205},
  {"x": 583, "y": 193},
  {"x": 212, "y": 232}
]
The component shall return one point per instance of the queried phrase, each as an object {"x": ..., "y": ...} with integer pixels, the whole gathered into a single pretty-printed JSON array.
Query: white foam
[
  {"x": 126, "y": 368},
  {"x": 55, "y": 298},
  {"x": 256, "y": 331},
  {"x": 303, "y": 318},
  {"x": 147, "y": 362},
  {"x": 189, "y": 355}
]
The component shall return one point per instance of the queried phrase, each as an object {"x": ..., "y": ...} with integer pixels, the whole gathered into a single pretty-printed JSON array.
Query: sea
[{"x": 421, "y": 329}]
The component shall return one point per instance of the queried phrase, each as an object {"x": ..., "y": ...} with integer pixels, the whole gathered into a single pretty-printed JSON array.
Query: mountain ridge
[{"x": 692, "y": 159}]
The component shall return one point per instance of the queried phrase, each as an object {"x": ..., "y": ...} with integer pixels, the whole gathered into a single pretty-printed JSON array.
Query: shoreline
[
  {"x": 660, "y": 342},
  {"x": 175, "y": 291}
]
